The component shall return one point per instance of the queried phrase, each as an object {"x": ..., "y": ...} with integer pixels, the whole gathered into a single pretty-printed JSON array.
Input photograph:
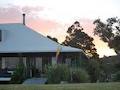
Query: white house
[{"x": 20, "y": 43}]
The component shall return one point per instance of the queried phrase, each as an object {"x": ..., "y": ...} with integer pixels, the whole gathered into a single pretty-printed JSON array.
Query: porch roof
[{"x": 18, "y": 38}]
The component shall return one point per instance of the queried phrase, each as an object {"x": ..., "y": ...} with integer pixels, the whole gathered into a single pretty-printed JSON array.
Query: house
[{"x": 20, "y": 43}]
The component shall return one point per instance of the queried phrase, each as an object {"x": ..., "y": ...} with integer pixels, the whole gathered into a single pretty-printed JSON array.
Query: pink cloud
[
  {"x": 28, "y": 9},
  {"x": 88, "y": 26},
  {"x": 13, "y": 14},
  {"x": 44, "y": 26}
]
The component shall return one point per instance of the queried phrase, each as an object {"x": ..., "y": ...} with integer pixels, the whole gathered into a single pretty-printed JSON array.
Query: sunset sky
[{"x": 53, "y": 17}]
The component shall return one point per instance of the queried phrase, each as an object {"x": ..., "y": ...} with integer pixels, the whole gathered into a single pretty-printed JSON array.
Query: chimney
[{"x": 23, "y": 18}]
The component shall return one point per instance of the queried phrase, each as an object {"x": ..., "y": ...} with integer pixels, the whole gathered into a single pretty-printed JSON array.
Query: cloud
[
  {"x": 9, "y": 14},
  {"x": 13, "y": 13},
  {"x": 88, "y": 26},
  {"x": 32, "y": 12},
  {"x": 48, "y": 27},
  {"x": 44, "y": 26}
]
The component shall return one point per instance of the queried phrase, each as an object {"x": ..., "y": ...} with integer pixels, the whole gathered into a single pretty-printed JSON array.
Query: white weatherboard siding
[{"x": 19, "y": 38}]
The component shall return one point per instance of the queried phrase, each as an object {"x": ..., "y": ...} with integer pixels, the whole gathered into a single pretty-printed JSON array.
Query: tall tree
[
  {"x": 54, "y": 39},
  {"x": 109, "y": 32},
  {"x": 79, "y": 39}
]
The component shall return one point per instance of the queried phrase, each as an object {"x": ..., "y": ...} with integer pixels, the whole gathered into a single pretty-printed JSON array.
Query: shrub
[
  {"x": 93, "y": 70},
  {"x": 58, "y": 73},
  {"x": 117, "y": 77},
  {"x": 79, "y": 76},
  {"x": 19, "y": 74}
]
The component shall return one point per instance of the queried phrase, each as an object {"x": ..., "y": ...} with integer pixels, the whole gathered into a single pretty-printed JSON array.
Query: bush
[
  {"x": 93, "y": 70},
  {"x": 117, "y": 77},
  {"x": 58, "y": 73},
  {"x": 79, "y": 76},
  {"x": 19, "y": 74}
]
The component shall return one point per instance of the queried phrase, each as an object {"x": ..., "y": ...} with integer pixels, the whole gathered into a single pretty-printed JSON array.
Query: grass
[{"x": 82, "y": 86}]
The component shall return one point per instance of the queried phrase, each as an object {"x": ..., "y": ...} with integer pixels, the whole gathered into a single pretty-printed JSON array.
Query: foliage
[
  {"x": 93, "y": 70},
  {"x": 108, "y": 67},
  {"x": 79, "y": 76},
  {"x": 58, "y": 73},
  {"x": 106, "y": 72},
  {"x": 54, "y": 39},
  {"x": 109, "y": 32},
  {"x": 19, "y": 74},
  {"x": 117, "y": 66},
  {"x": 61, "y": 72},
  {"x": 117, "y": 77},
  {"x": 79, "y": 39}
]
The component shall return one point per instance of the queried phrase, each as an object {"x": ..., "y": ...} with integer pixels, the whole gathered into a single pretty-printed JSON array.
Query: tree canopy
[
  {"x": 54, "y": 39},
  {"x": 109, "y": 32},
  {"x": 79, "y": 39}
]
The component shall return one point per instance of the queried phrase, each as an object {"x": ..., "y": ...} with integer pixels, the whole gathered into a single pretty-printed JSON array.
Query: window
[{"x": 11, "y": 62}]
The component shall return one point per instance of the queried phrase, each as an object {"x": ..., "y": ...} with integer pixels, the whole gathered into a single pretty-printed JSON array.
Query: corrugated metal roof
[{"x": 19, "y": 38}]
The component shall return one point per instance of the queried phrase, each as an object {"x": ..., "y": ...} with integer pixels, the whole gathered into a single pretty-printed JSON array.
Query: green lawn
[{"x": 83, "y": 86}]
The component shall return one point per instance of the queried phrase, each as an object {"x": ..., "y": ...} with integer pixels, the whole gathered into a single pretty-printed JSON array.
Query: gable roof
[{"x": 18, "y": 38}]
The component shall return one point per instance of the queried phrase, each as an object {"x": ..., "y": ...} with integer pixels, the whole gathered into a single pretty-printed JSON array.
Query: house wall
[
  {"x": 38, "y": 59},
  {"x": 68, "y": 61},
  {"x": 39, "y": 63},
  {"x": 24, "y": 61},
  {"x": 9, "y": 62},
  {"x": 54, "y": 61}
]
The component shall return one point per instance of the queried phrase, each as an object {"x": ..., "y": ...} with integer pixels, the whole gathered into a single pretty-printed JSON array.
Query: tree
[
  {"x": 79, "y": 39},
  {"x": 109, "y": 32},
  {"x": 54, "y": 39}
]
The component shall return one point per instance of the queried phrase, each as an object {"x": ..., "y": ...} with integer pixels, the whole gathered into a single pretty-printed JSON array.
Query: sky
[{"x": 53, "y": 17}]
